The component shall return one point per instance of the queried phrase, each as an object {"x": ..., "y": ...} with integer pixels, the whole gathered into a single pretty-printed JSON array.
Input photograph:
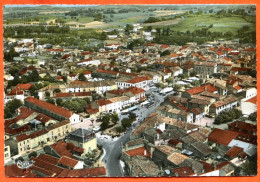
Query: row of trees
[
  {"x": 106, "y": 120},
  {"x": 77, "y": 105},
  {"x": 227, "y": 116},
  {"x": 126, "y": 123}
]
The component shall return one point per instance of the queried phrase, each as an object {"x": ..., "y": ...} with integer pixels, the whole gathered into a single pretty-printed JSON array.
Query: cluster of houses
[
  {"x": 162, "y": 146},
  {"x": 168, "y": 143}
]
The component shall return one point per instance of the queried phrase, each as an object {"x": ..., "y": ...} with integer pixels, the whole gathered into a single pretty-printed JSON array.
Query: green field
[{"x": 223, "y": 24}]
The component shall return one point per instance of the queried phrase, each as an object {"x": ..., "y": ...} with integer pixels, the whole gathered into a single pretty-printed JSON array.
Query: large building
[
  {"x": 51, "y": 110},
  {"x": 83, "y": 138}
]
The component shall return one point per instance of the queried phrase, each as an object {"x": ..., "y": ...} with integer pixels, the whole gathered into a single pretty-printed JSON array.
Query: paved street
[{"x": 113, "y": 148}]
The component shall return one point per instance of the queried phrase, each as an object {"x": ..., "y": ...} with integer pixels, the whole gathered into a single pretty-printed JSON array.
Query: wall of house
[{"x": 248, "y": 108}]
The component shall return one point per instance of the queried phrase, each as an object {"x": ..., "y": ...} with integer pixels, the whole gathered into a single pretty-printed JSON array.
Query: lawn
[{"x": 223, "y": 24}]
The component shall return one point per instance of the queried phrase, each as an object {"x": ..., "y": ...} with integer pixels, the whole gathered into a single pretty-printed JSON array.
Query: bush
[
  {"x": 19, "y": 159},
  {"x": 227, "y": 116},
  {"x": 33, "y": 154}
]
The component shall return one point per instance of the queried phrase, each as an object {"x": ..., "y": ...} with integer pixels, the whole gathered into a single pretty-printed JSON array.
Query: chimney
[{"x": 145, "y": 153}]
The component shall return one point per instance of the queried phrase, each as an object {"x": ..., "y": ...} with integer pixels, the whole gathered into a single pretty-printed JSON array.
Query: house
[
  {"x": 82, "y": 86},
  {"x": 249, "y": 106},
  {"x": 139, "y": 166},
  {"x": 135, "y": 94},
  {"x": 247, "y": 131},
  {"x": 69, "y": 163},
  {"x": 89, "y": 61},
  {"x": 141, "y": 82},
  {"x": 83, "y": 138},
  {"x": 105, "y": 73},
  {"x": 175, "y": 114},
  {"x": 111, "y": 46},
  {"x": 221, "y": 142},
  {"x": 205, "y": 68},
  {"x": 87, "y": 74},
  {"x": 51, "y": 110},
  {"x": 200, "y": 89},
  {"x": 227, "y": 104},
  {"x": 108, "y": 105},
  {"x": 50, "y": 134}
]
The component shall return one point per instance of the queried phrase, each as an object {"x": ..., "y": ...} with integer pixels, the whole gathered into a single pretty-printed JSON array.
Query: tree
[
  {"x": 250, "y": 166},
  {"x": 177, "y": 87},
  {"x": 64, "y": 78},
  {"x": 165, "y": 53},
  {"x": 11, "y": 107},
  {"x": 47, "y": 94},
  {"x": 132, "y": 116},
  {"x": 33, "y": 154},
  {"x": 51, "y": 100},
  {"x": 193, "y": 73},
  {"x": 114, "y": 118},
  {"x": 56, "y": 90},
  {"x": 58, "y": 101},
  {"x": 82, "y": 77},
  {"x": 253, "y": 116},
  {"x": 104, "y": 125},
  {"x": 126, "y": 123}
]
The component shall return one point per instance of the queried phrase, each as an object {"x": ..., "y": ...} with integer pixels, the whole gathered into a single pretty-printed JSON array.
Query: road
[{"x": 114, "y": 148}]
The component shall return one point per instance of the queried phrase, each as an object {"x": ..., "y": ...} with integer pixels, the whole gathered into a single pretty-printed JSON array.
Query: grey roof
[
  {"x": 202, "y": 148},
  {"x": 80, "y": 132}
]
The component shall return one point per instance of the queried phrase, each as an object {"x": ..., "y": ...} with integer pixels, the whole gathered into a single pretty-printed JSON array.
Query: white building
[
  {"x": 89, "y": 62},
  {"x": 141, "y": 82},
  {"x": 249, "y": 106}
]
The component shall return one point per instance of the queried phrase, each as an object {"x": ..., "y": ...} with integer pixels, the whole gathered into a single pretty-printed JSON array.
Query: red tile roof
[
  {"x": 246, "y": 127},
  {"x": 174, "y": 142},
  {"x": 199, "y": 89},
  {"x": 238, "y": 87},
  {"x": 107, "y": 71},
  {"x": 45, "y": 164},
  {"x": 61, "y": 149},
  {"x": 67, "y": 161},
  {"x": 138, "y": 79},
  {"x": 90, "y": 110},
  {"x": 26, "y": 86},
  {"x": 90, "y": 172},
  {"x": 164, "y": 46},
  {"x": 53, "y": 108},
  {"x": 65, "y": 56},
  {"x": 207, "y": 167},
  {"x": 50, "y": 159},
  {"x": 183, "y": 171},
  {"x": 151, "y": 44},
  {"x": 135, "y": 90},
  {"x": 86, "y": 72},
  {"x": 14, "y": 171},
  {"x": 57, "y": 50},
  {"x": 234, "y": 151},
  {"x": 22, "y": 137},
  {"x": 103, "y": 102},
  {"x": 86, "y": 53},
  {"x": 252, "y": 100},
  {"x": 43, "y": 118},
  {"x": 15, "y": 91},
  {"x": 138, "y": 151},
  {"x": 250, "y": 49},
  {"x": 223, "y": 137}
]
